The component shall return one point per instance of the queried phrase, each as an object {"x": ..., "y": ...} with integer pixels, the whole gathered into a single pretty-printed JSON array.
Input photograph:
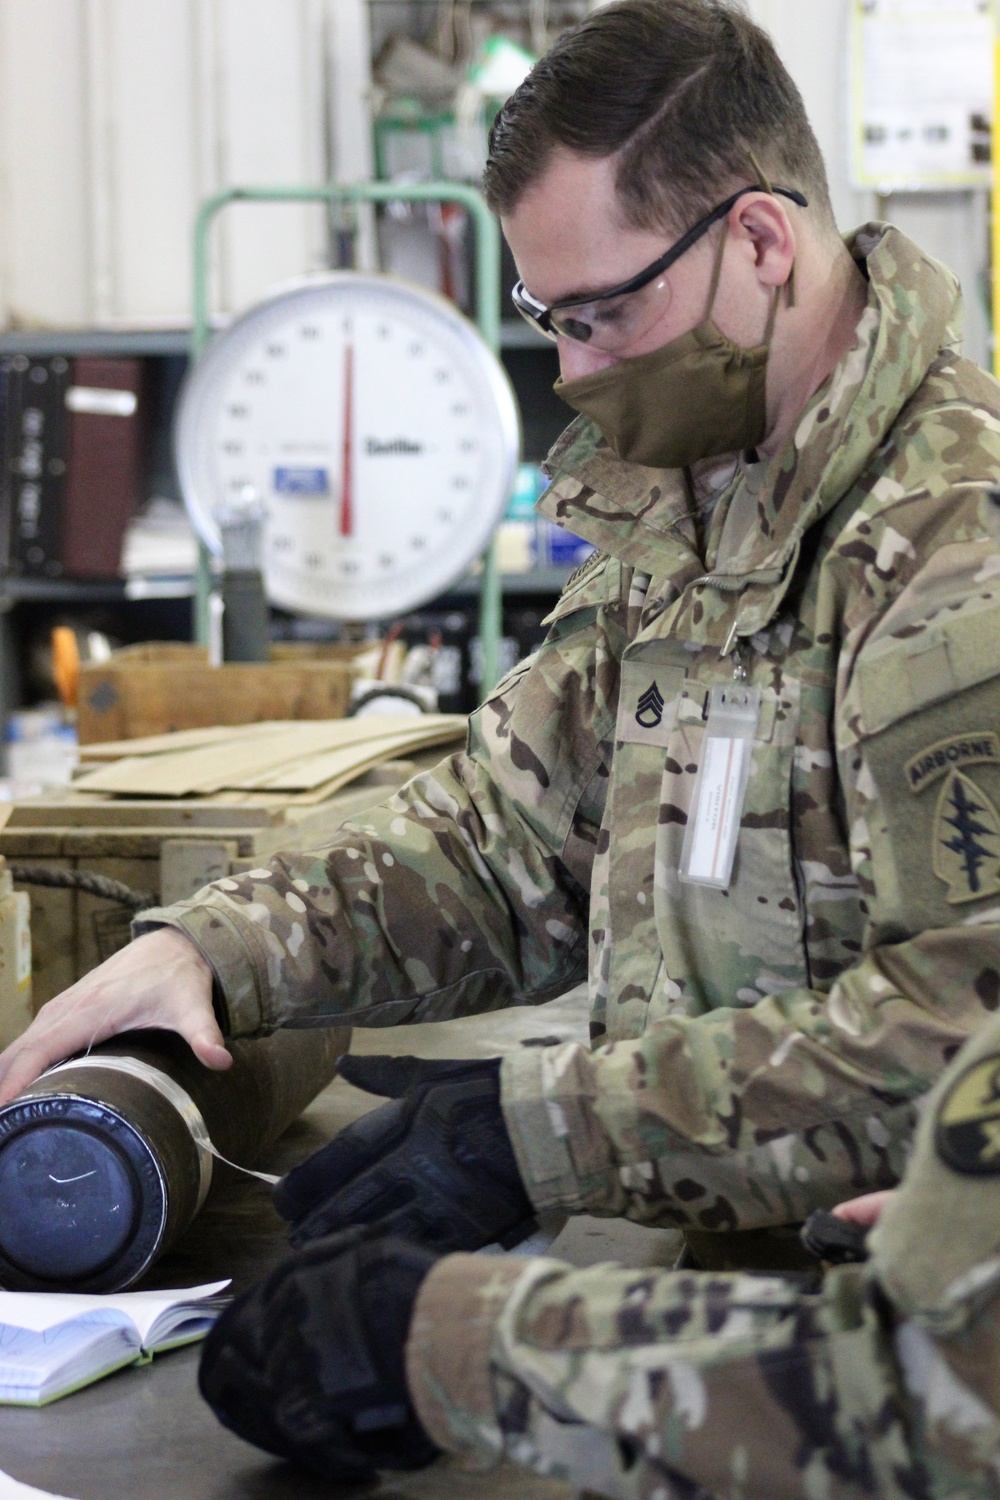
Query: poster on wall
[{"x": 922, "y": 75}]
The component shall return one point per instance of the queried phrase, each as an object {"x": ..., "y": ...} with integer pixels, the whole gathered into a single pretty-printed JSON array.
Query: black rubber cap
[
  {"x": 82, "y": 1204},
  {"x": 69, "y": 1202}
]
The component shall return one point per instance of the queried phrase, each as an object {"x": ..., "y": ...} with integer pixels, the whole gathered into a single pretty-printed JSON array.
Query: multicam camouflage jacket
[
  {"x": 658, "y": 1385},
  {"x": 759, "y": 1044}
]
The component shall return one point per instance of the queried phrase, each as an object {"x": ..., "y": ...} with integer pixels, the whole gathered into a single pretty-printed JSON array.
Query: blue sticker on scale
[{"x": 302, "y": 481}]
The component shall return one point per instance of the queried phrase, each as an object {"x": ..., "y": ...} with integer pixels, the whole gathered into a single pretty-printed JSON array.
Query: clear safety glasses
[{"x": 615, "y": 319}]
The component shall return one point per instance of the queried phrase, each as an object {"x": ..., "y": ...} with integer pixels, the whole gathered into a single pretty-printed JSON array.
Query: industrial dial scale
[{"x": 373, "y": 422}]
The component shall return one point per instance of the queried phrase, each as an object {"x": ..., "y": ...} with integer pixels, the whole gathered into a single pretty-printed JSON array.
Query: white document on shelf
[
  {"x": 13, "y": 1489},
  {"x": 922, "y": 93}
]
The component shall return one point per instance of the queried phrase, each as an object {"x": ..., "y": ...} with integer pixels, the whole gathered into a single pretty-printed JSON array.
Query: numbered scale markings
[{"x": 375, "y": 426}]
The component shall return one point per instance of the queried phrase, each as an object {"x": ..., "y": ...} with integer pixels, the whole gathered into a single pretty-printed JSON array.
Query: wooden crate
[
  {"x": 169, "y": 848},
  {"x": 158, "y": 687}
]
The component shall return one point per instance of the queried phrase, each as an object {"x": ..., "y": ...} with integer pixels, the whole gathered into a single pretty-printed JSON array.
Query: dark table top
[{"x": 146, "y": 1434}]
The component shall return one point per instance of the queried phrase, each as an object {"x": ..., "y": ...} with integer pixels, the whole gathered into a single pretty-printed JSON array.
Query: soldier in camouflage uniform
[
  {"x": 761, "y": 1042},
  {"x": 652, "y": 1385}
]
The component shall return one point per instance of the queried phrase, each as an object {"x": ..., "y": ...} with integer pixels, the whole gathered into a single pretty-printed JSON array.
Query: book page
[
  {"x": 39, "y": 1367},
  {"x": 13, "y": 1489},
  {"x": 39, "y": 1311}
]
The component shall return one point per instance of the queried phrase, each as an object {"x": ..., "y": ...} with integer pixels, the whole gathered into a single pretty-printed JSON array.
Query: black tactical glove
[
  {"x": 434, "y": 1166},
  {"x": 309, "y": 1363}
]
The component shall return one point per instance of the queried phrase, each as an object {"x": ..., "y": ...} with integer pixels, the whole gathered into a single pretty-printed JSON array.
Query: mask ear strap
[
  {"x": 765, "y": 183},
  {"x": 717, "y": 269},
  {"x": 762, "y": 176}
]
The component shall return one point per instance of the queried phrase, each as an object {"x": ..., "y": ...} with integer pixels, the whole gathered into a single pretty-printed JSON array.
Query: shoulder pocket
[{"x": 926, "y": 711}]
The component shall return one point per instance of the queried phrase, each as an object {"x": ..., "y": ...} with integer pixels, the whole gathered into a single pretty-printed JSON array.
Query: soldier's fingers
[
  {"x": 392, "y": 1077},
  {"x": 209, "y": 1047},
  {"x": 384, "y": 1197},
  {"x": 864, "y": 1210},
  {"x": 160, "y": 980},
  {"x": 351, "y": 1153}
]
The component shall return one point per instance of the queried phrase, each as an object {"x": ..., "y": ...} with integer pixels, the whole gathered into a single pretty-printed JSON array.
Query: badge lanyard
[{"x": 713, "y": 824}]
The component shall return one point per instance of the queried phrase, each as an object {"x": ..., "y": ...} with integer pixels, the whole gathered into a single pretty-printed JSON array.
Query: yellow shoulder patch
[{"x": 967, "y": 1129}]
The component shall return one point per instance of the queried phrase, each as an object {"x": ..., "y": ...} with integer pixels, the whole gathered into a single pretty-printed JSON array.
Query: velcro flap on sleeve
[{"x": 897, "y": 676}]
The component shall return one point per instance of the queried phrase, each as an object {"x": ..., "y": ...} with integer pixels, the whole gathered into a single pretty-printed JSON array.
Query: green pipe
[{"x": 487, "y": 242}]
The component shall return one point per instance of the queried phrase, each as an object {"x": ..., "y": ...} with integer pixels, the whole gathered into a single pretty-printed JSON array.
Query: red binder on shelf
[{"x": 104, "y": 471}]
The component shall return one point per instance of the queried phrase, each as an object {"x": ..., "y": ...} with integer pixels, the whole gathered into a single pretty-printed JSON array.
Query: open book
[
  {"x": 52, "y": 1343},
  {"x": 12, "y": 1489}
]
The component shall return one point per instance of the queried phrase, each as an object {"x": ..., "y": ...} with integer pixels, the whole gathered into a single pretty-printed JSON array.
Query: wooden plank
[
  {"x": 242, "y": 763},
  {"x": 127, "y": 700},
  {"x": 158, "y": 744},
  {"x": 116, "y": 813},
  {"x": 318, "y": 770},
  {"x": 188, "y": 864}
]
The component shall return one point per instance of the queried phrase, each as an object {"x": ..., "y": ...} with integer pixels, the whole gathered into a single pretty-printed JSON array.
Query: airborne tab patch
[
  {"x": 947, "y": 755},
  {"x": 967, "y": 1130},
  {"x": 966, "y": 841}
]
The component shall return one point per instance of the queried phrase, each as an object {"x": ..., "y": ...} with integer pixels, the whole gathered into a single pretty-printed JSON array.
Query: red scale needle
[{"x": 347, "y": 461}]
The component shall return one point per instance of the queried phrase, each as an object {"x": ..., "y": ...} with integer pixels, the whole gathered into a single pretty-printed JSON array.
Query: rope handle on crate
[{"x": 83, "y": 880}]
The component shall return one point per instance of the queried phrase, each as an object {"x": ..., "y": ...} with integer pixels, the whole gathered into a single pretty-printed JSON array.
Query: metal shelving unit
[
  {"x": 109, "y": 342},
  {"x": 138, "y": 343}
]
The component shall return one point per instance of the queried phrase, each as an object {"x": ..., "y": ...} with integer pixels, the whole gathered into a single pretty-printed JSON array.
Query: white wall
[
  {"x": 118, "y": 116},
  {"x": 811, "y": 36}
]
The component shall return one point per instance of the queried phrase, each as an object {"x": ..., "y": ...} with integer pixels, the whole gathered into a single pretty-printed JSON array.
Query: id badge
[{"x": 713, "y": 825}]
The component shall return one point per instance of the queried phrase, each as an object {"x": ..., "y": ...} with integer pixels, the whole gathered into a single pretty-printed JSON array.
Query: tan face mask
[{"x": 699, "y": 396}]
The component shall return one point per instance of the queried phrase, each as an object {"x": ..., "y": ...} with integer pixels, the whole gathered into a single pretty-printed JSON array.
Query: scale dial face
[{"x": 375, "y": 426}]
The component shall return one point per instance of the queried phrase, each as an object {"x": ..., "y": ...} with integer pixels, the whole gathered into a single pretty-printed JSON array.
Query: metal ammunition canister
[{"x": 105, "y": 1159}]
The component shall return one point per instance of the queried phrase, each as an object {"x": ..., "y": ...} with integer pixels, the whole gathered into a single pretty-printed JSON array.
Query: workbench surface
[{"x": 145, "y": 1433}]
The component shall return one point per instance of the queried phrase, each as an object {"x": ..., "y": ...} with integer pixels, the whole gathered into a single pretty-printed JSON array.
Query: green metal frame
[{"x": 487, "y": 240}]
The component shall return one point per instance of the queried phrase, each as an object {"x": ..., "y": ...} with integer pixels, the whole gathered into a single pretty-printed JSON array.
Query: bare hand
[
  {"x": 159, "y": 980},
  {"x": 865, "y": 1210}
]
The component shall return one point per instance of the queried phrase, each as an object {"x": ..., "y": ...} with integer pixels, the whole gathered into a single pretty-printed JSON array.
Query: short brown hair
[{"x": 684, "y": 90}]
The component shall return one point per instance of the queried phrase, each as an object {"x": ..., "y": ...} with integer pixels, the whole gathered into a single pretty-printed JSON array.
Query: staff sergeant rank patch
[
  {"x": 965, "y": 834},
  {"x": 967, "y": 1129}
]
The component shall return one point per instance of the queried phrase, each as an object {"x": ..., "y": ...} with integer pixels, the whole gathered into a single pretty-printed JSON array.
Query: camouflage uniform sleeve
[
  {"x": 653, "y": 1383},
  {"x": 462, "y": 892},
  {"x": 750, "y": 1116},
  {"x": 663, "y": 1383}
]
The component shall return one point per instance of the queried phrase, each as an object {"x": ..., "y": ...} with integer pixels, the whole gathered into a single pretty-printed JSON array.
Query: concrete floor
[{"x": 146, "y": 1434}]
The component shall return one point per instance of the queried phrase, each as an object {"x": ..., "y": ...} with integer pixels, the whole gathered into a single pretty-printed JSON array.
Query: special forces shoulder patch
[
  {"x": 967, "y": 1129},
  {"x": 966, "y": 841},
  {"x": 965, "y": 830}
]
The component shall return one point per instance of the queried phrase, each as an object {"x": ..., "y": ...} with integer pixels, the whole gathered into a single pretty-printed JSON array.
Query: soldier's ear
[{"x": 760, "y": 224}]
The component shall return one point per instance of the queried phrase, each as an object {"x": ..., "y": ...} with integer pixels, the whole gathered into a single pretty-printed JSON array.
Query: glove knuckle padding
[
  {"x": 337, "y": 1164},
  {"x": 436, "y": 1166}
]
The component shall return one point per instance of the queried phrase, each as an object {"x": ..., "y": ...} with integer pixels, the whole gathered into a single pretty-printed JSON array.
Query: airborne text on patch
[{"x": 937, "y": 760}]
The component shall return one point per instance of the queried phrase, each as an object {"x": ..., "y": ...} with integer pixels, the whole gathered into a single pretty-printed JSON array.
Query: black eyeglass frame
[{"x": 541, "y": 317}]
